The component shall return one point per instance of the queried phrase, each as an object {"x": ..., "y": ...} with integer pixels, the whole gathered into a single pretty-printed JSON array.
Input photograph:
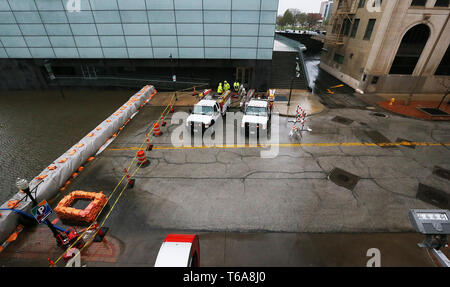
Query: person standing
[
  {"x": 220, "y": 89},
  {"x": 226, "y": 86}
]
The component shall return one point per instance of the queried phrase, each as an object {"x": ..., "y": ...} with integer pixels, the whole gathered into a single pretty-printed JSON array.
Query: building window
[
  {"x": 369, "y": 29},
  {"x": 375, "y": 80},
  {"x": 64, "y": 71},
  {"x": 361, "y": 3},
  {"x": 444, "y": 66},
  {"x": 338, "y": 58},
  {"x": 346, "y": 26},
  {"x": 354, "y": 28},
  {"x": 410, "y": 50},
  {"x": 441, "y": 3},
  {"x": 418, "y": 2}
]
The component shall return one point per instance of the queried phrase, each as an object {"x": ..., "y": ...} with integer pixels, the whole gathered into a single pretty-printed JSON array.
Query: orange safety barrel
[{"x": 142, "y": 159}]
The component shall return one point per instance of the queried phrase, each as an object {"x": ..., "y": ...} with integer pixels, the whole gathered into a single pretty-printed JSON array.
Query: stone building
[{"x": 395, "y": 46}]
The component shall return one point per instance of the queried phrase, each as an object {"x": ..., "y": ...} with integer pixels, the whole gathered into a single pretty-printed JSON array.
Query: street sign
[{"x": 41, "y": 211}]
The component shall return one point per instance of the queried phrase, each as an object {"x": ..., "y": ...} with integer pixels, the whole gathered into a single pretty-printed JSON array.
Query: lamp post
[
  {"x": 174, "y": 76},
  {"x": 61, "y": 238},
  {"x": 52, "y": 77},
  {"x": 297, "y": 75}
]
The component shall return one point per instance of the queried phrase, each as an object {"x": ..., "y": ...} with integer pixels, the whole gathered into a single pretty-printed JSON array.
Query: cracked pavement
[
  {"x": 239, "y": 203},
  {"x": 221, "y": 189}
]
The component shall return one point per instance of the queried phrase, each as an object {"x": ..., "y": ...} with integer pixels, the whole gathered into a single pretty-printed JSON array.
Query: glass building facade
[{"x": 137, "y": 29}]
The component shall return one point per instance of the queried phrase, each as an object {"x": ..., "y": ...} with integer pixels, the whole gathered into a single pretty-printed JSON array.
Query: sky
[{"x": 308, "y": 6}]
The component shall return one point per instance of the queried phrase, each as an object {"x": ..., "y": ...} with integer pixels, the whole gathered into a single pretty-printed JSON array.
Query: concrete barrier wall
[{"x": 72, "y": 159}]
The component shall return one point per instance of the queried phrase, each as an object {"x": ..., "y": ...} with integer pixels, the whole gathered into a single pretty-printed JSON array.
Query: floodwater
[
  {"x": 320, "y": 80},
  {"x": 36, "y": 127}
]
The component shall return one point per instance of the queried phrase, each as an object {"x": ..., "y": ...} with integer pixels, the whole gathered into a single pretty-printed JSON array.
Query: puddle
[{"x": 343, "y": 178}]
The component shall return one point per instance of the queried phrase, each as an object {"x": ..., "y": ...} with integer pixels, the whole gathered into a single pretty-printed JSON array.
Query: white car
[
  {"x": 257, "y": 116},
  {"x": 206, "y": 113}
]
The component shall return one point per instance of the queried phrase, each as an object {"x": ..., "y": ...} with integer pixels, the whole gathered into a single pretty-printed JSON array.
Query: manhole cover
[
  {"x": 343, "y": 178},
  {"x": 434, "y": 112},
  {"x": 380, "y": 115},
  {"x": 379, "y": 139},
  {"x": 405, "y": 143},
  {"x": 433, "y": 196},
  {"x": 281, "y": 99},
  {"x": 441, "y": 172},
  {"x": 342, "y": 120}
]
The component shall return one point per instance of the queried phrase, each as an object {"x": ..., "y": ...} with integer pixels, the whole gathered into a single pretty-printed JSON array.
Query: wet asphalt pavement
[
  {"x": 320, "y": 81},
  {"x": 251, "y": 211}
]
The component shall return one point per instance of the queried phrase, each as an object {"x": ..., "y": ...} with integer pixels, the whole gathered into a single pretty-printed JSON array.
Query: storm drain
[
  {"x": 380, "y": 115},
  {"x": 342, "y": 120},
  {"x": 405, "y": 143},
  {"x": 343, "y": 178},
  {"x": 433, "y": 196},
  {"x": 434, "y": 112},
  {"x": 281, "y": 99},
  {"x": 379, "y": 139},
  {"x": 441, "y": 172}
]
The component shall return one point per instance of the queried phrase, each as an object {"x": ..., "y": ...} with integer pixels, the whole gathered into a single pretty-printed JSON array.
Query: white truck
[
  {"x": 207, "y": 111},
  {"x": 257, "y": 115}
]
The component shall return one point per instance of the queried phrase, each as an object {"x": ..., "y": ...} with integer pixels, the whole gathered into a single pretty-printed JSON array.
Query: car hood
[
  {"x": 199, "y": 119},
  {"x": 254, "y": 119}
]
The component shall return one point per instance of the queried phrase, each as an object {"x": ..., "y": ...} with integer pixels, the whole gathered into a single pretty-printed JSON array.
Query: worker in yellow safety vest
[
  {"x": 220, "y": 89},
  {"x": 226, "y": 86},
  {"x": 236, "y": 86}
]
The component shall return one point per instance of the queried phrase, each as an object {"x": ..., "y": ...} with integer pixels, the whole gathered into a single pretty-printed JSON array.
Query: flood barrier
[{"x": 53, "y": 177}]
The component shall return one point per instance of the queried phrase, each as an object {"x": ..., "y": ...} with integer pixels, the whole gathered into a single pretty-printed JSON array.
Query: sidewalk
[
  {"x": 185, "y": 99},
  {"x": 305, "y": 99},
  {"x": 411, "y": 110}
]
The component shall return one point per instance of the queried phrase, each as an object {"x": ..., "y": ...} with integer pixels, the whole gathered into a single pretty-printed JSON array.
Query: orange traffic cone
[
  {"x": 163, "y": 123},
  {"x": 156, "y": 130},
  {"x": 149, "y": 145},
  {"x": 142, "y": 159}
]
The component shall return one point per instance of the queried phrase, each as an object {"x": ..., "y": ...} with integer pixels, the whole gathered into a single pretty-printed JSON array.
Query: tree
[
  {"x": 288, "y": 17},
  {"x": 301, "y": 18},
  {"x": 280, "y": 21},
  {"x": 313, "y": 18}
]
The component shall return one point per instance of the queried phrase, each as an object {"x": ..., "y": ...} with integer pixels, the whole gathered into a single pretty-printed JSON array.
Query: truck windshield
[
  {"x": 203, "y": 110},
  {"x": 256, "y": 111}
]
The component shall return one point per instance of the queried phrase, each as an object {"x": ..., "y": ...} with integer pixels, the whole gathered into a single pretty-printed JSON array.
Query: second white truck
[{"x": 257, "y": 116}]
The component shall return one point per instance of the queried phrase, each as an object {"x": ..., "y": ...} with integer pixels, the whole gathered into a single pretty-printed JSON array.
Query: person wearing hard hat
[
  {"x": 220, "y": 89},
  {"x": 236, "y": 86},
  {"x": 226, "y": 86}
]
